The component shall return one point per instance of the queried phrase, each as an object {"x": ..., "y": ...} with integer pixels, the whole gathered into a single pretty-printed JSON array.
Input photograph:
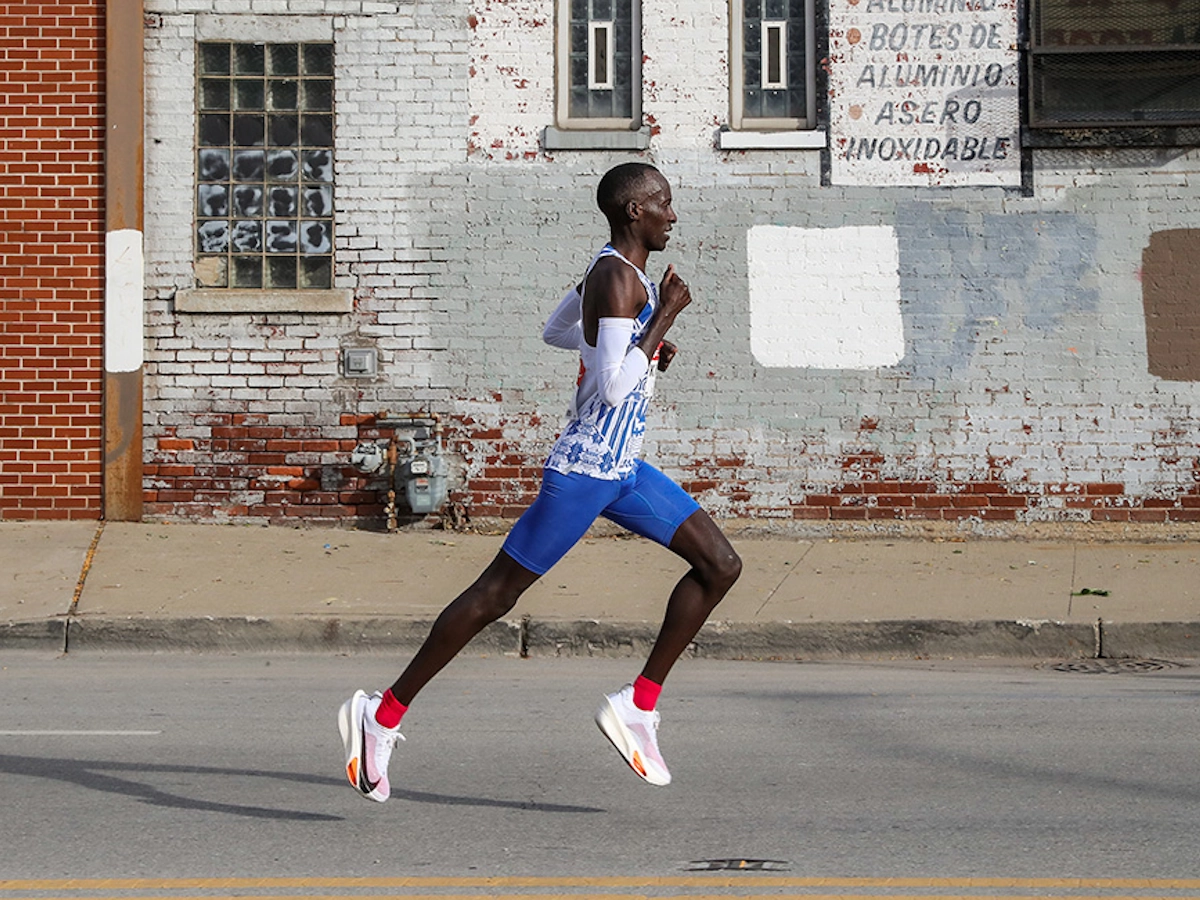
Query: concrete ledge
[
  {"x": 917, "y": 639},
  {"x": 39, "y": 634},
  {"x": 595, "y": 139},
  {"x": 824, "y": 640},
  {"x": 292, "y": 634},
  {"x": 1151, "y": 640},
  {"x": 235, "y": 302}
]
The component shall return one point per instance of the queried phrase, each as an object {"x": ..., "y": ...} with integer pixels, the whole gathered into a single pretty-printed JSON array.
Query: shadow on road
[{"x": 116, "y": 778}]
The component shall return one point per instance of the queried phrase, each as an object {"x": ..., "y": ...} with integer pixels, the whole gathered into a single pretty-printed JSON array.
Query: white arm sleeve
[
  {"x": 564, "y": 328},
  {"x": 619, "y": 366}
]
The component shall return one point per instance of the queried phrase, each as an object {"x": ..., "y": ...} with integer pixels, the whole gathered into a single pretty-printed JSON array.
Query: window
[
  {"x": 599, "y": 64},
  {"x": 772, "y": 71},
  {"x": 1114, "y": 64},
  {"x": 264, "y": 198}
]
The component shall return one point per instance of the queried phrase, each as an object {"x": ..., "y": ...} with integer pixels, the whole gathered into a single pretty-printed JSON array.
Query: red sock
[
  {"x": 390, "y": 711},
  {"x": 645, "y": 693}
]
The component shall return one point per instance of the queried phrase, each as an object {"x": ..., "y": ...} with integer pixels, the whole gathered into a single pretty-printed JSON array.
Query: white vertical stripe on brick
[
  {"x": 123, "y": 301},
  {"x": 825, "y": 298}
]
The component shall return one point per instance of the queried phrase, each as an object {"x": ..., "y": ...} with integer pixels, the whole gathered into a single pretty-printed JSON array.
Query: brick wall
[
  {"x": 51, "y": 259},
  {"x": 1020, "y": 390}
]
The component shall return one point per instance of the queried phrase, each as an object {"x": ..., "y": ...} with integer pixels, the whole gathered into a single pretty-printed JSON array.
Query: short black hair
[{"x": 621, "y": 184}]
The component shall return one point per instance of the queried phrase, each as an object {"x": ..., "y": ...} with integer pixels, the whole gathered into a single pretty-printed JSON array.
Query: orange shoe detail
[
  {"x": 352, "y": 772},
  {"x": 637, "y": 765}
]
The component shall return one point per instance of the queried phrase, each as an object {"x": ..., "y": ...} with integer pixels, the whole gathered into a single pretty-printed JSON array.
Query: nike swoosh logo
[{"x": 364, "y": 783}]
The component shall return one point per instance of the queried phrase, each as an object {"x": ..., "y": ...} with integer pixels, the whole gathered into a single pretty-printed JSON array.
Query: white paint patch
[
  {"x": 825, "y": 298},
  {"x": 123, "y": 279}
]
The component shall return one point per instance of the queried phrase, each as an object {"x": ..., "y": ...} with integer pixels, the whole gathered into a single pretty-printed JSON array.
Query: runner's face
[{"x": 657, "y": 214}]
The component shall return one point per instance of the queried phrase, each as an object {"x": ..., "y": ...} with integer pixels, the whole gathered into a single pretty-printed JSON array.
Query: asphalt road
[{"x": 218, "y": 768}]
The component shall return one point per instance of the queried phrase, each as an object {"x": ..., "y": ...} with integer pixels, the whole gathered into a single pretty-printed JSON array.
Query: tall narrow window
[
  {"x": 773, "y": 77},
  {"x": 264, "y": 166},
  {"x": 599, "y": 64},
  {"x": 1114, "y": 64}
]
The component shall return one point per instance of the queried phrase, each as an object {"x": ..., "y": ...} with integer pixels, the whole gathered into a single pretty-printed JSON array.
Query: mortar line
[{"x": 786, "y": 575}]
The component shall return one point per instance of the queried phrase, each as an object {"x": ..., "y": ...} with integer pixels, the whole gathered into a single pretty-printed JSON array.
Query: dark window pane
[
  {"x": 214, "y": 59},
  {"x": 284, "y": 95},
  {"x": 316, "y": 272},
  {"x": 318, "y": 165},
  {"x": 213, "y": 165},
  {"x": 283, "y": 165},
  {"x": 249, "y": 59},
  {"x": 318, "y": 59},
  {"x": 284, "y": 59},
  {"x": 318, "y": 201},
  {"x": 247, "y": 131},
  {"x": 601, "y": 10},
  {"x": 317, "y": 131},
  {"x": 1117, "y": 87},
  {"x": 284, "y": 130},
  {"x": 316, "y": 237},
  {"x": 579, "y": 10},
  {"x": 214, "y": 93},
  {"x": 752, "y": 9},
  {"x": 774, "y": 9},
  {"x": 247, "y": 200},
  {"x": 212, "y": 200},
  {"x": 775, "y": 104},
  {"x": 248, "y": 165},
  {"x": 247, "y": 271},
  {"x": 214, "y": 131},
  {"x": 318, "y": 95},
  {"x": 247, "y": 236},
  {"x": 281, "y": 272},
  {"x": 579, "y": 101},
  {"x": 213, "y": 236},
  {"x": 282, "y": 202},
  {"x": 281, "y": 237},
  {"x": 251, "y": 95}
]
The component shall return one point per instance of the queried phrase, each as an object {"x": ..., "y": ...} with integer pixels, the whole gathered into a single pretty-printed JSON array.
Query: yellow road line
[
  {"x": 620, "y": 881},
  {"x": 639, "y": 896}
]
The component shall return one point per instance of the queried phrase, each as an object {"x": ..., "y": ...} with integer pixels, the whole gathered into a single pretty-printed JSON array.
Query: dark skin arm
[{"x": 614, "y": 291}]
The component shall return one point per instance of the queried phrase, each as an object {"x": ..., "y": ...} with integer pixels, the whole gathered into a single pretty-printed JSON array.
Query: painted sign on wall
[{"x": 924, "y": 92}]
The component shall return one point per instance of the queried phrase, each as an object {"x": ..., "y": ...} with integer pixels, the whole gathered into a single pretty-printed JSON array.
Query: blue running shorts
[{"x": 645, "y": 502}]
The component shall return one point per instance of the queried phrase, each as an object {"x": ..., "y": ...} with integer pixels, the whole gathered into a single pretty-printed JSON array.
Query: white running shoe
[
  {"x": 634, "y": 732},
  {"x": 368, "y": 745}
]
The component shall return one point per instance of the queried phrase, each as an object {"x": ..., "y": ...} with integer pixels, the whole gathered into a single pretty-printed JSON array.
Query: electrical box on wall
[{"x": 360, "y": 362}]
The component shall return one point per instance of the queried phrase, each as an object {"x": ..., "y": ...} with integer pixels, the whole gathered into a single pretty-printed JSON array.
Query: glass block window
[
  {"x": 264, "y": 166},
  {"x": 1114, "y": 64},
  {"x": 773, "y": 76},
  {"x": 600, "y": 75}
]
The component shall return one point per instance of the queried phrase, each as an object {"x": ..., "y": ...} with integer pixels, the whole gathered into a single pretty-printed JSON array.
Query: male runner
[{"x": 617, "y": 321}]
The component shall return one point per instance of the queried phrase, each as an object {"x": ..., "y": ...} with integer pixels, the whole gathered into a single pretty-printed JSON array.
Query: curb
[{"x": 916, "y": 639}]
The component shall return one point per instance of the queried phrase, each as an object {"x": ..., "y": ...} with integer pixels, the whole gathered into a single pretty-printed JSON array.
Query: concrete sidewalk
[{"x": 80, "y": 586}]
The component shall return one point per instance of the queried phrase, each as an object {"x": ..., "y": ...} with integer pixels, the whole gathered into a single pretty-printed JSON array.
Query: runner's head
[
  {"x": 636, "y": 200},
  {"x": 623, "y": 184}
]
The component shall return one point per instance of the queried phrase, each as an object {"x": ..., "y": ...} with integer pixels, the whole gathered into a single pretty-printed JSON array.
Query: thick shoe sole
[
  {"x": 619, "y": 736},
  {"x": 349, "y": 719}
]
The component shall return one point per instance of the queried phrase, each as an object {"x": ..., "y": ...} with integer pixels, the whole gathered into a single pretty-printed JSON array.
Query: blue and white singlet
[{"x": 604, "y": 441}]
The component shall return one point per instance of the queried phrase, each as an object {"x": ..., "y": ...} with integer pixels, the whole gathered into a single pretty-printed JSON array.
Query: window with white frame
[
  {"x": 264, "y": 166},
  {"x": 599, "y": 64},
  {"x": 772, "y": 65}
]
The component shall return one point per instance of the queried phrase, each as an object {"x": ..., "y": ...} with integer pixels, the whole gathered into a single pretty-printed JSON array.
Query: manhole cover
[
  {"x": 737, "y": 864},
  {"x": 1114, "y": 666}
]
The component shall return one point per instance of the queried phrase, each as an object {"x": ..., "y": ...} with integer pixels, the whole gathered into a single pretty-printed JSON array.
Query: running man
[{"x": 617, "y": 321}]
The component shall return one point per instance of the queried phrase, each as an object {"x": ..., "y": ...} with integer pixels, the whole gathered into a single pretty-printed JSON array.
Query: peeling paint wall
[{"x": 964, "y": 352}]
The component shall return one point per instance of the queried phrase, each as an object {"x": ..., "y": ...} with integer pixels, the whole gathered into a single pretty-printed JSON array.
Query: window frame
[
  {"x": 1041, "y": 130},
  {"x": 738, "y": 120},
  {"x": 281, "y": 29},
  {"x": 562, "y": 65}
]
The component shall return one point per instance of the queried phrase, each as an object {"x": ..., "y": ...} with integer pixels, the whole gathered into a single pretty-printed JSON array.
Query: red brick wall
[{"x": 51, "y": 259}]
